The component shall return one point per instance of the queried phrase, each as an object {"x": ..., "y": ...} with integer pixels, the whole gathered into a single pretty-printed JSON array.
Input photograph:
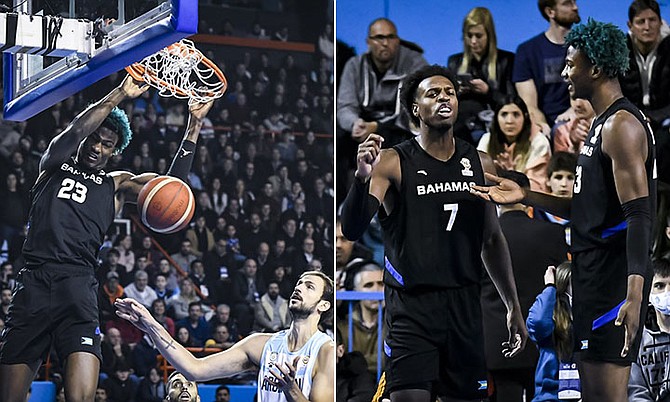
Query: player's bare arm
[
  {"x": 377, "y": 170},
  {"x": 504, "y": 191},
  {"x": 625, "y": 142},
  {"x": 498, "y": 264},
  {"x": 66, "y": 143},
  {"x": 244, "y": 355}
]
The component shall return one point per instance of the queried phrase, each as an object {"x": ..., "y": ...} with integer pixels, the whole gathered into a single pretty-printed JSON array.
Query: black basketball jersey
[
  {"x": 433, "y": 235},
  {"x": 72, "y": 208},
  {"x": 597, "y": 218}
]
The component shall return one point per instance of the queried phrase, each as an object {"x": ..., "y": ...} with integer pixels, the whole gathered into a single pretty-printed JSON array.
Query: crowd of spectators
[{"x": 262, "y": 178}]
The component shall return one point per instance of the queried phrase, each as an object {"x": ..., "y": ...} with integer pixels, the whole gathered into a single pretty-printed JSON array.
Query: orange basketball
[{"x": 166, "y": 204}]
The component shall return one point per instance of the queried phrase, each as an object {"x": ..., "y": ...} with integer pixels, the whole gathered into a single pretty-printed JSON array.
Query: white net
[{"x": 181, "y": 71}]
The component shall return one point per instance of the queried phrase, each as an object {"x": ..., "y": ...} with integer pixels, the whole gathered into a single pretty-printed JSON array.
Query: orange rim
[{"x": 138, "y": 72}]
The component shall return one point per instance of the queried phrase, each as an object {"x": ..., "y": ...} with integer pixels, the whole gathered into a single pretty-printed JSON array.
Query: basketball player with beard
[
  {"x": 74, "y": 201},
  {"x": 611, "y": 213},
  {"x": 296, "y": 364},
  {"x": 436, "y": 236}
]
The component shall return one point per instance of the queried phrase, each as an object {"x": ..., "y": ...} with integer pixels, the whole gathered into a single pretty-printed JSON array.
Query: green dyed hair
[
  {"x": 117, "y": 121},
  {"x": 603, "y": 43}
]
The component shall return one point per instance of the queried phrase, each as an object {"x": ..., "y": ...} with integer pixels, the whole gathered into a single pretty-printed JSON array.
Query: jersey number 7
[{"x": 453, "y": 208}]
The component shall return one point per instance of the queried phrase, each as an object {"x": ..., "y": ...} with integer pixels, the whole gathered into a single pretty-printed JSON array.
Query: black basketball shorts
[
  {"x": 52, "y": 305},
  {"x": 436, "y": 342},
  {"x": 600, "y": 282}
]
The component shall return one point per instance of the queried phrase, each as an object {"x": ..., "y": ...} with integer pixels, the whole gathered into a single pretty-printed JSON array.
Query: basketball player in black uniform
[
  {"x": 436, "y": 235},
  {"x": 610, "y": 213},
  {"x": 74, "y": 202}
]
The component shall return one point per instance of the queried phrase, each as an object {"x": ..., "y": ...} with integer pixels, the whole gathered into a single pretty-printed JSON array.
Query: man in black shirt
[
  {"x": 610, "y": 213},
  {"x": 435, "y": 236},
  {"x": 74, "y": 201}
]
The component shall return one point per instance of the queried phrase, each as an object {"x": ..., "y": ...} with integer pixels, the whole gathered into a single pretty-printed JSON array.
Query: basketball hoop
[{"x": 181, "y": 71}]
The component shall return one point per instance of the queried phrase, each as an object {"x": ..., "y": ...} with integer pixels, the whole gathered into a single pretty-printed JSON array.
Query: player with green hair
[
  {"x": 611, "y": 214},
  {"x": 74, "y": 202}
]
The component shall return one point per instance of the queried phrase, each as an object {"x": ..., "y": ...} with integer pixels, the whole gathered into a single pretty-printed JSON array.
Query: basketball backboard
[{"x": 55, "y": 48}]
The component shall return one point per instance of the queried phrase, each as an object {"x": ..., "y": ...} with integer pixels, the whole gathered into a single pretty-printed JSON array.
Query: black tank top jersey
[
  {"x": 597, "y": 218},
  {"x": 72, "y": 208},
  {"x": 433, "y": 236}
]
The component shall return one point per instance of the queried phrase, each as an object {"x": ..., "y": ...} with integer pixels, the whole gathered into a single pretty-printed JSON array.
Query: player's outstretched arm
[
  {"x": 625, "y": 142},
  {"x": 183, "y": 159},
  {"x": 66, "y": 143},
  {"x": 505, "y": 191},
  {"x": 242, "y": 356},
  {"x": 376, "y": 169}
]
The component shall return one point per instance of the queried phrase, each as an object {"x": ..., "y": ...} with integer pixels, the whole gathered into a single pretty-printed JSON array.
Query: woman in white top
[{"x": 515, "y": 145}]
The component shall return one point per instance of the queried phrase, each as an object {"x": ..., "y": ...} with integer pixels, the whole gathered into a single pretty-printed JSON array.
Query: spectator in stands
[
  {"x": 101, "y": 394},
  {"x": 348, "y": 256},
  {"x": 13, "y": 209},
  {"x": 271, "y": 312},
  {"x": 196, "y": 324},
  {"x": 148, "y": 250},
  {"x": 114, "y": 351},
  {"x": 569, "y": 136},
  {"x": 107, "y": 294},
  {"x": 319, "y": 202},
  {"x": 120, "y": 386},
  {"x": 200, "y": 280},
  {"x": 354, "y": 381},
  {"x": 111, "y": 264},
  {"x": 170, "y": 273},
  {"x": 484, "y": 72},
  {"x": 159, "y": 310},
  {"x": 560, "y": 181},
  {"x": 513, "y": 145},
  {"x": 139, "y": 289},
  {"x": 538, "y": 64},
  {"x": 244, "y": 197},
  {"x": 7, "y": 277},
  {"x": 179, "y": 304},
  {"x": 200, "y": 237},
  {"x": 222, "y": 394},
  {"x": 220, "y": 338},
  {"x": 252, "y": 235},
  {"x": 365, "y": 315},
  {"x": 152, "y": 388},
  {"x": 367, "y": 101},
  {"x": 247, "y": 288},
  {"x": 222, "y": 316},
  {"x": 184, "y": 337},
  {"x": 5, "y": 302},
  {"x": 646, "y": 83},
  {"x": 304, "y": 257},
  {"x": 160, "y": 287},
  {"x": 185, "y": 256},
  {"x": 233, "y": 215},
  {"x": 219, "y": 267}
]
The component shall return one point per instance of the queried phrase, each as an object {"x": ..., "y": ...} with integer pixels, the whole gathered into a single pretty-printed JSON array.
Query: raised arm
[
  {"x": 242, "y": 356},
  {"x": 528, "y": 92},
  {"x": 376, "y": 171},
  {"x": 625, "y": 142},
  {"x": 498, "y": 263},
  {"x": 66, "y": 143}
]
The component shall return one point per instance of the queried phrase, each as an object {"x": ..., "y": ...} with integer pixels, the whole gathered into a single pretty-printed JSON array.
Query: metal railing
[{"x": 351, "y": 297}]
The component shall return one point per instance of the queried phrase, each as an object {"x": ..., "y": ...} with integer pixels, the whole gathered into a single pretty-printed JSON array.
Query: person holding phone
[{"x": 484, "y": 73}]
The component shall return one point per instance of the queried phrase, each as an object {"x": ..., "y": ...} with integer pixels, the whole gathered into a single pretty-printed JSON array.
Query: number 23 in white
[
  {"x": 453, "y": 208},
  {"x": 72, "y": 190}
]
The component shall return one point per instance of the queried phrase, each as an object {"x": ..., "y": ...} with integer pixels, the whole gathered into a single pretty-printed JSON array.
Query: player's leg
[
  {"x": 604, "y": 381},
  {"x": 81, "y": 376},
  {"x": 15, "y": 380}
]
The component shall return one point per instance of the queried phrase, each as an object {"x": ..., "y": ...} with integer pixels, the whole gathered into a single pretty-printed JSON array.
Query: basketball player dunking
[
  {"x": 73, "y": 204},
  {"x": 296, "y": 364},
  {"x": 610, "y": 213},
  {"x": 436, "y": 235}
]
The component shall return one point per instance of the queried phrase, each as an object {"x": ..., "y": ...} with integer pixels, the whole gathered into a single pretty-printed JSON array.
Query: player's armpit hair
[
  {"x": 358, "y": 209},
  {"x": 183, "y": 160},
  {"x": 638, "y": 236}
]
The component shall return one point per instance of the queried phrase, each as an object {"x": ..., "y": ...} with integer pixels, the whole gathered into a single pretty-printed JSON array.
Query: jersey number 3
[
  {"x": 453, "y": 209},
  {"x": 72, "y": 190}
]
